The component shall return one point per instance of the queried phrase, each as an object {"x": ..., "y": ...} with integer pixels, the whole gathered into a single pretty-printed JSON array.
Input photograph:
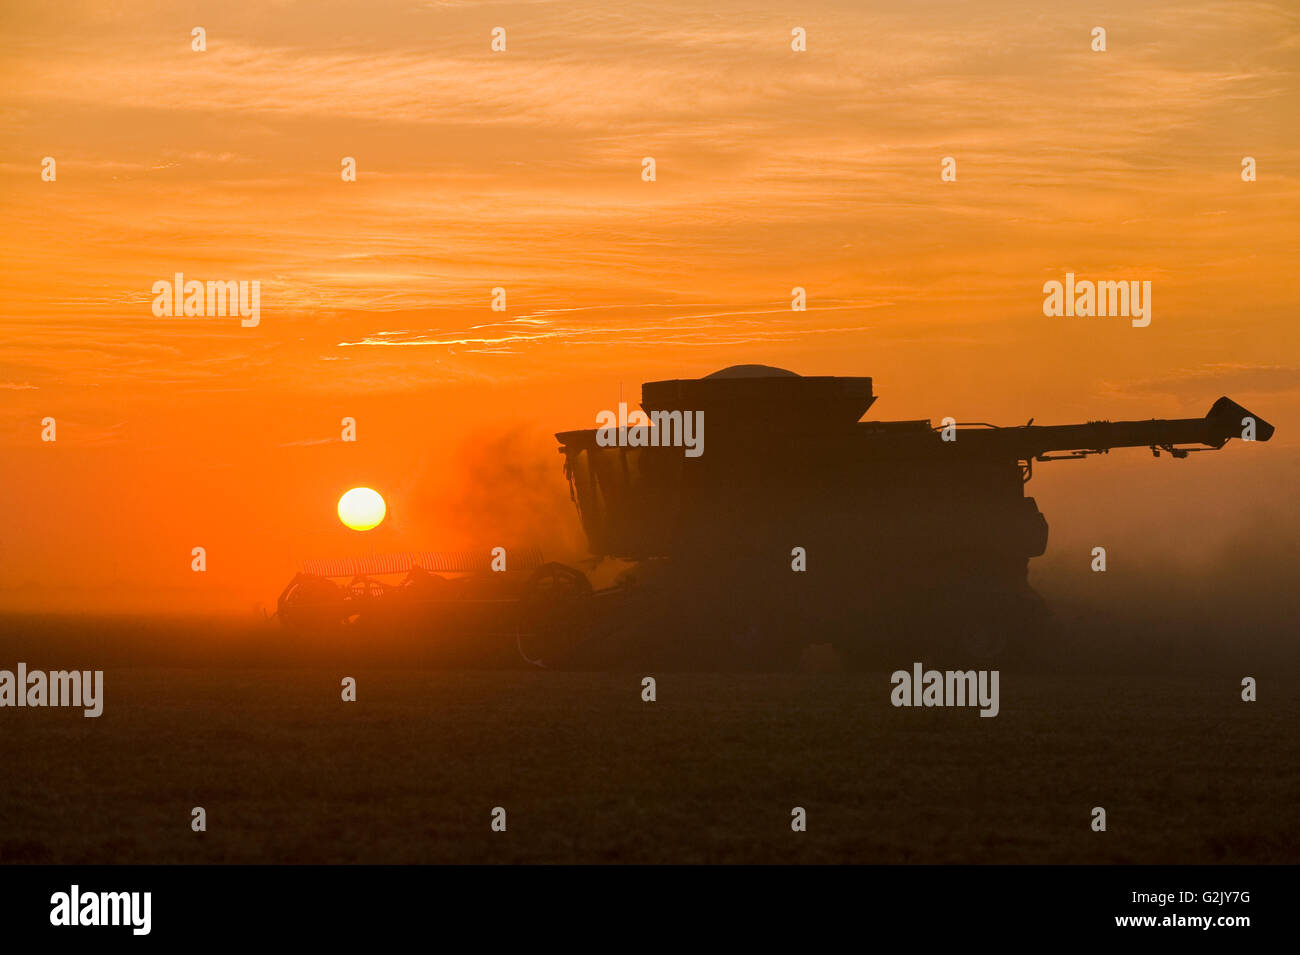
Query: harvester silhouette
[{"x": 799, "y": 523}]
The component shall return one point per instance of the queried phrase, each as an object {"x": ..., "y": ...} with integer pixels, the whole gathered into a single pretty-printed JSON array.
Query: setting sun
[{"x": 362, "y": 508}]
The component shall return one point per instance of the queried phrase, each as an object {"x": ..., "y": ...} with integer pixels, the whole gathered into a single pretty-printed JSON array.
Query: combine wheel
[
  {"x": 552, "y": 614},
  {"x": 311, "y": 604}
]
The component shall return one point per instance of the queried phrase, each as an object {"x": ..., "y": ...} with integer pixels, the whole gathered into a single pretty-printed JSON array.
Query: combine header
[{"x": 442, "y": 593}]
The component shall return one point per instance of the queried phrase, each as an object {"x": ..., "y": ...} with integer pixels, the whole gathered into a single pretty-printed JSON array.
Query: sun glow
[{"x": 362, "y": 508}]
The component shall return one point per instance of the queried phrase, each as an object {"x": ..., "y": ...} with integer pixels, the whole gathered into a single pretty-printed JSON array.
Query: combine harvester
[{"x": 799, "y": 523}]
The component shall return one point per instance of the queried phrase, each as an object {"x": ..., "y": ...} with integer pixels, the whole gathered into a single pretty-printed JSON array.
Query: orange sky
[{"x": 522, "y": 169}]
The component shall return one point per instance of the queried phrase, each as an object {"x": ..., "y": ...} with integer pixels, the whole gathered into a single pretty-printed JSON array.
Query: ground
[{"x": 588, "y": 772}]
